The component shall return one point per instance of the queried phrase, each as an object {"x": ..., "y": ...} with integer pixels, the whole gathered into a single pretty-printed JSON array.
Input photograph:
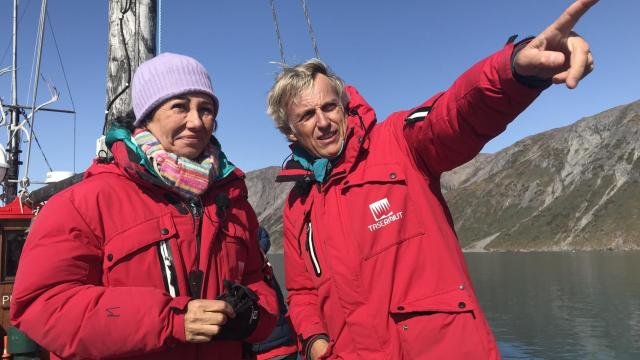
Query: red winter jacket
[
  {"x": 91, "y": 284},
  {"x": 371, "y": 256}
]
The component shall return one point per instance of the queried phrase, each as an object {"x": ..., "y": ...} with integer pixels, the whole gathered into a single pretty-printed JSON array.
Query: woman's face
[{"x": 184, "y": 124}]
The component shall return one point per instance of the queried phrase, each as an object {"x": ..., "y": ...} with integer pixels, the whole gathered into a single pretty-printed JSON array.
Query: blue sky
[{"x": 397, "y": 54}]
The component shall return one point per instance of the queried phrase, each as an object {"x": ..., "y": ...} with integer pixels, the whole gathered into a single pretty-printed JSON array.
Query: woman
[{"x": 153, "y": 255}]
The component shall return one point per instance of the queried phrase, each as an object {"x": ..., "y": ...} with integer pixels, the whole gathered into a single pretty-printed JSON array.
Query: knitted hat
[{"x": 163, "y": 77}]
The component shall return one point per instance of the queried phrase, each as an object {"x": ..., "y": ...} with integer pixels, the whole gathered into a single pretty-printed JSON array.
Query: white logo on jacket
[
  {"x": 382, "y": 214},
  {"x": 379, "y": 208}
]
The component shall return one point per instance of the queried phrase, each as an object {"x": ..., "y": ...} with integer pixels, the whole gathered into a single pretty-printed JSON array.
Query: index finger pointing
[{"x": 569, "y": 18}]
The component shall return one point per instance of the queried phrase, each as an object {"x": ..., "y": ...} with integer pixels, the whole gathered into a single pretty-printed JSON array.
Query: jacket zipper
[
  {"x": 167, "y": 268},
  {"x": 196, "y": 275},
  {"x": 312, "y": 251}
]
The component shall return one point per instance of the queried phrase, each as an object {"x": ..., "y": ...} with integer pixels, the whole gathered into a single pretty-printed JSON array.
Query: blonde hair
[{"x": 294, "y": 80}]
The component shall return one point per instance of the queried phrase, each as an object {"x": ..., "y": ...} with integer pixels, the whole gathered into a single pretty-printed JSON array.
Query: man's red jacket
[{"x": 371, "y": 255}]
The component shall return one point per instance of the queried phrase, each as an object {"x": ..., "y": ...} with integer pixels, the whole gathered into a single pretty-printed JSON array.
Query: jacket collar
[{"x": 361, "y": 118}]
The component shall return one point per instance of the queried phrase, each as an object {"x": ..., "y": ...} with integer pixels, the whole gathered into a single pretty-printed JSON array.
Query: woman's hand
[
  {"x": 204, "y": 319},
  {"x": 318, "y": 348}
]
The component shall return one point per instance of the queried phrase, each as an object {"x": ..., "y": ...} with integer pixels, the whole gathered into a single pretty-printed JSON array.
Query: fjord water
[{"x": 564, "y": 305}]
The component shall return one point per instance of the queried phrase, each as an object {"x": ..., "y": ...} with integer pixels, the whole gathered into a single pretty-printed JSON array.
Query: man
[{"x": 373, "y": 266}]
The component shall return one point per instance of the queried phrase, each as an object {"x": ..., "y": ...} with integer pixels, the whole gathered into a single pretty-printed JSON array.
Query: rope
[
  {"x": 136, "y": 33},
  {"x": 123, "y": 11},
  {"x": 6, "y": 50},
  {"x": 311, "y": 34},
  {"x": 33, "y": 65},
  {"x": 159, "y": 51},
  {"x": 73, "y": 106},
  {"x": 33, "y": 134},
  {"x": 42, "y": 151},
  {"x": 43, "y": 13},
  {"x": 275, "y": 22}
]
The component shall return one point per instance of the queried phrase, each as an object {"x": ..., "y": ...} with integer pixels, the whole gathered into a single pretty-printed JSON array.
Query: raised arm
[
  {"x": 451, "y": 128},
  {"x": 558, "y": 53}
]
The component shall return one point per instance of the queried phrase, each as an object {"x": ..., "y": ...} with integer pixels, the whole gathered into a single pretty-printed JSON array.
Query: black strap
[
  {"x": 307, "y": 343},
  {"x": 532, "y": 82},
  {"x": 196, "y": 276}
]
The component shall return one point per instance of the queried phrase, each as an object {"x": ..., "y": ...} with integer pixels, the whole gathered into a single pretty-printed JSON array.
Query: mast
[
  {"x": 43, "y": 19},
  {"x": 136, "y": 20},
  {"x": 11, "y": 180},
  {"x": 11, "y": 187}
]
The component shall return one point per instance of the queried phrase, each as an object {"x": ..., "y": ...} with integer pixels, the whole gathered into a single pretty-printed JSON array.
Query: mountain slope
[
  {"x": 569, "y": 188},
  {"x": 267, "y": 198}
]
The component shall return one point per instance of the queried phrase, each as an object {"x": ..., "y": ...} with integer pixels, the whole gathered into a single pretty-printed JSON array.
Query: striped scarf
[{"x": 190, "y": 177}]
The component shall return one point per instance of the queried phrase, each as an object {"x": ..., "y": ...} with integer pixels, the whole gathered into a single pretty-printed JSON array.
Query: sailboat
[
  {"x": 132, "y": 30},
  {"x": 129, "y": 33},
  {"x": 20, "y": 205}
]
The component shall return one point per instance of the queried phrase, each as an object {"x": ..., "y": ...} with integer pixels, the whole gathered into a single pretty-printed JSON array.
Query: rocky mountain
[
  {"x": 267, "y": 198},
  {"x": 571, "y": 188}
]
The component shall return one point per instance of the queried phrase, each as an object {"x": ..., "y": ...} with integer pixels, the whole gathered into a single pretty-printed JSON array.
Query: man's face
[{"x": 317, "y": 119}]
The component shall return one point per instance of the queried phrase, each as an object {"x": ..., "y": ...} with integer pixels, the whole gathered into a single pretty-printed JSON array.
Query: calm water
[{"x": 583, "y": 305}]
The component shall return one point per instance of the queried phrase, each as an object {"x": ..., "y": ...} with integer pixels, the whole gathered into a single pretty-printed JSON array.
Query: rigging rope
[
  {"x": 123, "y": 11},
  {"x": 311, "y": 34},
  {"x": 33, "y": 65},
  {"x": 33, "y": 135},
  {"x": 43, "y": 13},
  {"x": 6, "y": 50},
  {"x": 42, "y": 151},
  {"x": 159, "y": 50},
  {"x": 73, "y": 106},
  {"x": 136, "y": 33},
  {"x": 275, "y": 22}
]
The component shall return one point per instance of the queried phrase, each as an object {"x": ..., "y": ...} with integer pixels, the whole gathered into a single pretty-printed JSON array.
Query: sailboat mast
[
  {"x": 43, "y": 19},
  {"x": 11, "y": 187},
  {"x": 132, "y": 40}
]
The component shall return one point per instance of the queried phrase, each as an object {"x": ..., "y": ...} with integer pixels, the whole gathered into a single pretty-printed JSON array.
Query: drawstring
[{"x": 354, "y": 112}]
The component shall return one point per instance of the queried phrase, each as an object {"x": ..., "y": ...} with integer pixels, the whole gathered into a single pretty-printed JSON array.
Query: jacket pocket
[
  {"x": 378, "y": 210},
  {"x": 236, "y": 251},
  {"x": 432, "y": 327},
  {"x": 138, "y": 256},
  {"x": 452, "y": 301}
]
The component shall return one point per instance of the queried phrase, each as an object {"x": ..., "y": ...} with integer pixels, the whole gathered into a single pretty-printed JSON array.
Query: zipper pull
[
  {"x": 195, "y": 283},
  {"x": 306, "y": 243},
  {"x": 222, "y": 203},
  {"x": 195, "y": 208},
  {"x": 312, "y": 252}
]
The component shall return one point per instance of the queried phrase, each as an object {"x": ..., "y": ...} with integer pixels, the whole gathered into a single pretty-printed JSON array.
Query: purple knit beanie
[{"x": 163, "y": 77}]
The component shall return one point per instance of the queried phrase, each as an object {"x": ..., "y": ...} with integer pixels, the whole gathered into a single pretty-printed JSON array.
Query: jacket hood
[{"x": 361, "y": 118}]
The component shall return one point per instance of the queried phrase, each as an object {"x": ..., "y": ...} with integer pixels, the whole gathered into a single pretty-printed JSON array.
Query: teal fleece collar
[{"x": 320, "y": 167}]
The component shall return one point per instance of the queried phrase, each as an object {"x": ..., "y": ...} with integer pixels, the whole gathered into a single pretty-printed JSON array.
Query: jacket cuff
[
  {"x": 532, "y": 82},
  {"x": 178, "y": 308},
  {"x": 307, "y": 343},
  {"x": 518, "y": 92}
]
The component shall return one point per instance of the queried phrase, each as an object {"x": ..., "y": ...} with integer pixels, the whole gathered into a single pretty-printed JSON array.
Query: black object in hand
[{"x": 245, "y": 304}]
